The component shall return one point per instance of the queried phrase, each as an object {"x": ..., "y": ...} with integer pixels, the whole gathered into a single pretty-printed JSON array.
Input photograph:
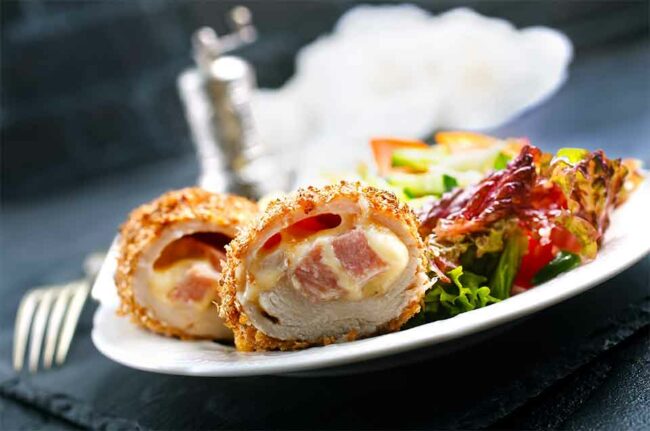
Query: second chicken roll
[{"x": 323, "y": 265}]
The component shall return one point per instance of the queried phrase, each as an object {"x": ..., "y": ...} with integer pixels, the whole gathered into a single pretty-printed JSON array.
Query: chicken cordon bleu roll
[
  {"x": 171, "y": 253},
  {"x": 323, "y": 265}
]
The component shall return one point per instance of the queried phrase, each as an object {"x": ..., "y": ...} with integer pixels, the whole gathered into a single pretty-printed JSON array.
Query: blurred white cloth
[{"x": 400, "y": 71}]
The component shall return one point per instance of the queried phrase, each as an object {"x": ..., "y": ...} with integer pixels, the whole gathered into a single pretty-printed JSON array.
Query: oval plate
[{"x": 626, "y": 242}]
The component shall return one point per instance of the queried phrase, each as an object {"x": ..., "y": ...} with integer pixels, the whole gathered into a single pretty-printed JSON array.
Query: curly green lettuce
[{"x": 466, "y": 291}]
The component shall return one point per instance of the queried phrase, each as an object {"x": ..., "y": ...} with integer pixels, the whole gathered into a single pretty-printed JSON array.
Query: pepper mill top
[{"x": 217, "y": 95}]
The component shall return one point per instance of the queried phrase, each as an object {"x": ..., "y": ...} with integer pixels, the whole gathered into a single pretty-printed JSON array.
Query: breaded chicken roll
[
  {"x": 171, "y": 253},
  {"x": 323, "y": 265}
]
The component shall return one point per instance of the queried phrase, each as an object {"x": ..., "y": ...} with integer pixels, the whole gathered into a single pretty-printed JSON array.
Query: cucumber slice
[
  {"x": 418, "y": 185},
  {"x": 420, "y": 159},
  {"x": 481, "y": 160},
  {"x": 433, "y": 182}
]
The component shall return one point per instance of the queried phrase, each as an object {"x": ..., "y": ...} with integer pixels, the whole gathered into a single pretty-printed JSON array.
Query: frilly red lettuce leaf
[
  {"x": 576, "y": 190},
  {"x": 591, "y": 186},
  {"x": 498, "y": 196}
]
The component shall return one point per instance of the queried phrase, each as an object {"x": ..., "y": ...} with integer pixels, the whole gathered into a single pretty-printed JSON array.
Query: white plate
[{"x": 626, "y": 242}]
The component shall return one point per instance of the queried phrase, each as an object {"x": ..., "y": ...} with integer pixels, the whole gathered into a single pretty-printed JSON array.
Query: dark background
[
  {"x": 89, "y": 88},
  {"x": 92, "y": 126}
]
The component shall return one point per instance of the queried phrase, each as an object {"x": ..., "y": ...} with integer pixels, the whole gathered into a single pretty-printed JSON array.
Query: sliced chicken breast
[{"x": 323, "y": 265}]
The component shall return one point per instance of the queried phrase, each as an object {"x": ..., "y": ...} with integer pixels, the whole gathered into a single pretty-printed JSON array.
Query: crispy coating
[
  {"x": 249, "y": 338},
  {"x": 147, "y": 223}
]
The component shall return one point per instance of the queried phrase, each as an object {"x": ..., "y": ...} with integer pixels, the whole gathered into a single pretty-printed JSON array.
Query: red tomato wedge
[
  {"x": 383, "y": 148},
  {"x": 311, "y": 225},
  {"x": 565, "y": 240},
  {"x": 272, "y": 242},
  {"x": 537, "y": 256}
]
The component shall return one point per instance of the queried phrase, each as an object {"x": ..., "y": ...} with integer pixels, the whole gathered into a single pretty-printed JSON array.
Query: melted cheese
[
  {"x": 393, "y": 252},
  {"x": 267, "y": 271},
  {"x": 162, "y": 281}
]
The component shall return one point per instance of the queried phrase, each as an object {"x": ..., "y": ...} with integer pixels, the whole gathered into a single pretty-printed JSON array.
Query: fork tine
[
  {"x": 71, "y": 318},
  {"x": 54, "y": 325},
  {"x": 38, "y": 328},
  {"x": 21, "y": 328}
]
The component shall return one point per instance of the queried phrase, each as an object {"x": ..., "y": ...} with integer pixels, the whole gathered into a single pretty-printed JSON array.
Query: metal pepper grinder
[{"x": 217, "y": 95}]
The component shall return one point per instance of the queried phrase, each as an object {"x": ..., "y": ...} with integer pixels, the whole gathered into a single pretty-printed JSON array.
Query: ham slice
[
  {"x": 316, "y": 279},
  {"x": 194, "y": 285},
  {"x": 356, "y": 256}
]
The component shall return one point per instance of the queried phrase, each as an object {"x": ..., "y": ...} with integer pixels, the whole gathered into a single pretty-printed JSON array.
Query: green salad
[{"x": 499, "y": 216}]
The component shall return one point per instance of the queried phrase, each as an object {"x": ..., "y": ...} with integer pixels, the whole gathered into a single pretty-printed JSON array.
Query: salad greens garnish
[
  {"x": 449, "y": 182},
  {"x": 501, "y": 161},
  {"x": 499, "y": 214},
  {"x": 504, "y": 274},
  {"x": 465, "y": 291},
  {"x": 571, "y": 155}
]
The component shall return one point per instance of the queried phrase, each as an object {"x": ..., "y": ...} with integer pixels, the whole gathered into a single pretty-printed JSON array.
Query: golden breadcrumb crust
[
  {"x": 249, "y": 338},
  {"x": 147, "y": 223}
]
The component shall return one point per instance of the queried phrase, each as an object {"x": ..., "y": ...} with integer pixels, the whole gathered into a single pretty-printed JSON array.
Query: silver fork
[{"x": 56, "y": 309}]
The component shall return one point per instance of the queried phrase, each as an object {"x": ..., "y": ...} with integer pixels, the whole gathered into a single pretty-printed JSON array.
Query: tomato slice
[
  {"x": 272, "y": 242},
  {"x": 540, "y": 252},
  {"x": 311, "y": 225},
  {"x": 536, "y": 257},
  {"x": 565, "y": 240}
]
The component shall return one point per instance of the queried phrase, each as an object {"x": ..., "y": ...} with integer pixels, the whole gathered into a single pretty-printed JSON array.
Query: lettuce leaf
[
  {"x": 477, "y": 253},
  {"x": 509, "y": 261},
  {"x": 499, "y": 196},
  {"x": 501, "y": 162},
  {"x": 467, "y": 291},
  {"x": 591, "y": 186},
  {"x": 583, "y": 231},
  {"x": 493, "y": 240},
  {"x": 572, "y": 155},
  {"x": 483, "y": 265}
]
